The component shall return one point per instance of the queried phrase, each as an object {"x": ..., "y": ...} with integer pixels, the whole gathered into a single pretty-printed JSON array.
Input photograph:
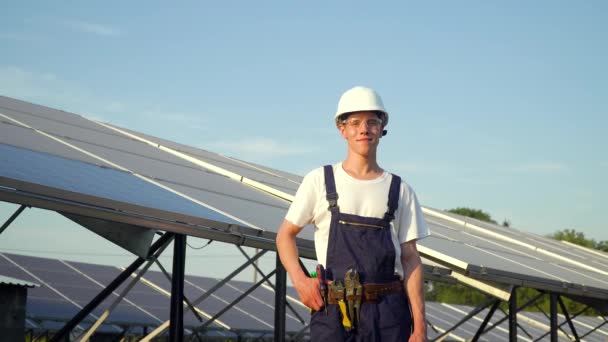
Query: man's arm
[
  {"x": 308, "y": 288},
  {"x": 413, "y": 281}
]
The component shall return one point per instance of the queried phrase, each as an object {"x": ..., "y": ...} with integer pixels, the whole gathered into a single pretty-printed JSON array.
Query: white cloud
[
  {"x": 97, "y": 29},
  {"x": 260, "y": 147},
  {"x": 540, "y": 167}
]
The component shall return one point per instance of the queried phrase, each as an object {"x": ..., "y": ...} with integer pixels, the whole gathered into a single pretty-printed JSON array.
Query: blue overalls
[{"x": 363, "y": 243}]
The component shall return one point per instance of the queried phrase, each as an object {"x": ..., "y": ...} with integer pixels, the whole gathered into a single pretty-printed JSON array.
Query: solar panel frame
[{"x": 283, "y": 180}]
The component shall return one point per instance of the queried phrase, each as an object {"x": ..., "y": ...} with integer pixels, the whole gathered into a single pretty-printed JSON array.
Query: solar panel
[
  {"x": 487, "y": 257},
  {"x": 276, "y": 178},
  {"x": 79, "y": 178},
  {"x": 27, "y": 138}
]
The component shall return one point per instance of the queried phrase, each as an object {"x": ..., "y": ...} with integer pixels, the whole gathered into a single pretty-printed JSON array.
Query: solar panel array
[
  {"x": 64, "y": 162},
  {"x": 66, "y": 286},
  {"x": 506, "y": 255}
]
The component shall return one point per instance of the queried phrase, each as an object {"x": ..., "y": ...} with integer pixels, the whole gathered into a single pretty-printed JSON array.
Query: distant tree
[
  {"x": 457, "y": 293},
  {"x": 579, "y": 238},
  {"x": 474, "y": 213},
  {"x": 602, "y": 246},
  {"x": 573, "y": 236}
]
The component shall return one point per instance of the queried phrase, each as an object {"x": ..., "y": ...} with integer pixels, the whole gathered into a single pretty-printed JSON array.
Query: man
[{"x": 366, "y": 225}]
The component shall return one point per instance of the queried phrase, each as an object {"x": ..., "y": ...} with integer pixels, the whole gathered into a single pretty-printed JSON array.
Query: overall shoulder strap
[
  {"x": 393, "y": 198},
  {"x": 330, "y": 187}
]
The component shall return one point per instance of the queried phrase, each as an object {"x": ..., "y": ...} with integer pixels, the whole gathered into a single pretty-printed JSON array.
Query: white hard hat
[{"x": 359, "y": 99}]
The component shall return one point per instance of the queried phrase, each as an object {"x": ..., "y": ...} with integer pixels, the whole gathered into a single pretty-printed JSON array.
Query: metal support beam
[
  {"x": 258, "y": 270},
  {"x": 176, "y": 324},
  {"x": 553, "y": 316},
  {"x": 300, "y": 333},
  {"x": 559, "y": 326},
  {"x": 234, "y": 302},
  {"x": 125, "y": 291},
  {"x": 473, "y": 312},
  {"x": 107, "y": 291},
  {"x": 513, "y": 315},
  {"x": 168, "y": 276},
  {"x": 208, "y": 293},
  {"x": 594, "y": 329},
  {"x": 565, "y": 312},
  {"x": 12, "y": 218},
  {"x": 486, "y": 320},
  {"x": 279, "y": 301}
]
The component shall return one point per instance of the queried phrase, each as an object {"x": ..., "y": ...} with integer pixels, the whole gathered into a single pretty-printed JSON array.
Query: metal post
[
  {"x": 12, "y": 218},
  {"x": 188, "y": 303},
  {"x": 176, "y": 325},
  {"x": 513, "y": 315},
  {"x": 553, "y": 316},
  {"x": 107, "y": 291},
  {"x": 279, "y": 301},
  {"x": 565, "y": 312}
]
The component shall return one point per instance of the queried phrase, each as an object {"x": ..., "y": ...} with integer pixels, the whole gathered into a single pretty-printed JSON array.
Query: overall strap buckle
[
  {"x": 330, "y": 187},
  {"x": 332, "y": 199},
  {"x": 393, "y": 198}
]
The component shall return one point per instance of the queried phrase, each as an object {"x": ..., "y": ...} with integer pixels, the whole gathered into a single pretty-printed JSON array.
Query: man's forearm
[
  {"x": 288, "y": 253},
  {"x": 415, "y": 289},
  {"x": 414, "y": 283}
]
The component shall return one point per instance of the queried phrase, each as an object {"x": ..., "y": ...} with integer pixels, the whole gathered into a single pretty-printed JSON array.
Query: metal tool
[
  {"x": 337, "y": 289},
  {"x": 350, "y": 294},
  {"x": 354, "y": 294},
  {"x": 322, "y": 285}
]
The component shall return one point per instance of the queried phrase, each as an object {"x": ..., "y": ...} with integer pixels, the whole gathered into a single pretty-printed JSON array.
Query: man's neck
[{"x": 361, "y": 167}]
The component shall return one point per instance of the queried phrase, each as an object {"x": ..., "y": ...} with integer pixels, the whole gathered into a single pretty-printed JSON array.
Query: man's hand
[
  {"x": 418, "y": 336},
  {"x": 308, "y": 290}
]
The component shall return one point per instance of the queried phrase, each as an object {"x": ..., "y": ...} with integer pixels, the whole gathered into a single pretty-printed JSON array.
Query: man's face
[{"x": 362, "y": 131}]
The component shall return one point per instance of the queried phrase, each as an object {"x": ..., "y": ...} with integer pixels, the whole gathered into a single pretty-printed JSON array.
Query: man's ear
[{"x": 341, "y": 128}]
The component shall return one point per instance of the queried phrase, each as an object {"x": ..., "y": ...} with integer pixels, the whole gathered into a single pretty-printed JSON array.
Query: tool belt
[{"x": 371, "y": 292}]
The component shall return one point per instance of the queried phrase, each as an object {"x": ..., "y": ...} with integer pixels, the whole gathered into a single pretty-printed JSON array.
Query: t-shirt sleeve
[
  {"x": 301, "y": 211},
  {"x": 413, "y": 226}
]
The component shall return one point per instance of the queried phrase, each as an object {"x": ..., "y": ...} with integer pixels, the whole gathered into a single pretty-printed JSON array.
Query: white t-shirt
[{"x": 358, "y": 197}]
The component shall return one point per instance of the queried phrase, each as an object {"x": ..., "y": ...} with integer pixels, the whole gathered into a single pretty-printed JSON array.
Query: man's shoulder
[
  {"x": 319, "y": 172},
  {"x": 404, "y": 184}
]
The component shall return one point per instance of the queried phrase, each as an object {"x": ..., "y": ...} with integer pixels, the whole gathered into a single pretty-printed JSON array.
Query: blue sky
[{"x": 494, "y": 105}]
